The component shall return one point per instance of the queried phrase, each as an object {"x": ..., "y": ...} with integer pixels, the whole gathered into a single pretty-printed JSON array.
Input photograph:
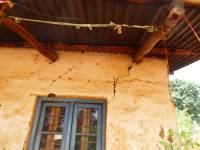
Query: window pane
[
  {"x": 51, "y": 136},
  {"x": 82, "y": 145},
  {"x": 54, "y": 119},
  {"x": 50, "y": 142},
  {"x": 86, "y": 130}
]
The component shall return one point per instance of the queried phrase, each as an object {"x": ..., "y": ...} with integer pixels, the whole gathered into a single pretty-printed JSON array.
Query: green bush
[
  {"x": 179, "y": 140},
  {"x": 186, "y": 96},
  {"x": 184, "y": 137}
]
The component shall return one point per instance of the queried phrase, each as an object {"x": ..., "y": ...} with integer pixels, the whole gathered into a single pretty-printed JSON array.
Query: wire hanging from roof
[
  {"x": 44, "y": 14},
  {"x": 191, "y": 27},
  {"x": 117, "y": 27}
]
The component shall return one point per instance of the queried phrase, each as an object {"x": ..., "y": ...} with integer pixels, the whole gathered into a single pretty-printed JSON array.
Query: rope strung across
[
  {"x": 21, "y": 6},
  {"x": 115, "y": 26},
  {"x": 191, "y": 27}
]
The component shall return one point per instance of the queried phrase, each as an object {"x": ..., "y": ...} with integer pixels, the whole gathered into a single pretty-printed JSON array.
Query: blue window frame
[{"x": 68, "y": 124}]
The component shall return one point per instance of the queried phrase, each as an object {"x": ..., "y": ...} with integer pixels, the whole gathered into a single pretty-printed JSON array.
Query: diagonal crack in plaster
[
  {"x": 63, "y": 74},
  {"x": 117, "y": 79}
]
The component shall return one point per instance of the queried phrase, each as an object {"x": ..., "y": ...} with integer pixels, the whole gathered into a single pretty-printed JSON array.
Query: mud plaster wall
[{"x": 138, "y": 99}]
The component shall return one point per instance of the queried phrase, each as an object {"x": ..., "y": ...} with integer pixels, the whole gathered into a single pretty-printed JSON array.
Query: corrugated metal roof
[{"x": 104, "y": 11}]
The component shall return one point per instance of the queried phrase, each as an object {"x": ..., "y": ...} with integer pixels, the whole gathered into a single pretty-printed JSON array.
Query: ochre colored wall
[{"x": 140, "y": 106}]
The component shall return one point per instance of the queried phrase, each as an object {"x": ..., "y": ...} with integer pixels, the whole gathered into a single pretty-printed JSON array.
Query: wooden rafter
[
  {"x": 108, "y": 49},
  {"x": 186, "y": 2},
  {"x": 192, "y": 2},
  {"x": 20, "y": 30},
  {"x": 170, "y": 22}
]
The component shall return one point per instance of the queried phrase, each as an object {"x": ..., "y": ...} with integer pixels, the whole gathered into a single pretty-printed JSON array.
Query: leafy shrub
[
  {"x": 186, "y": 96},
  {"x": 184, "y": 137},
  {"x": 179, "y": 140}
]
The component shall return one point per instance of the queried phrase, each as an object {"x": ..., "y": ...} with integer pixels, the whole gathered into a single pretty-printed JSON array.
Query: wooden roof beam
[
  {"x": 20, "y": 30},
  {"x": 186, "y": 2},
  {"x": 192, "y": 2},
  {"x": 170, "y": 22},
  {"x": 107, "y": 49}
]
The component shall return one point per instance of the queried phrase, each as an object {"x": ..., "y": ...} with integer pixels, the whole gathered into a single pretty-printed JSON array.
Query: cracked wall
[{"x": 137, "y": 97}]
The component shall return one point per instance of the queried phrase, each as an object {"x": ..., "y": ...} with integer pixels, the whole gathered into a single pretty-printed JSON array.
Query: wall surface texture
[{"x": 138, "y": 99}]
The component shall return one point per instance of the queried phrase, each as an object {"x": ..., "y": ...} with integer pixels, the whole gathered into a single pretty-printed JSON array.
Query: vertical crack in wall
[
  {"x": 130, "y": 67},
  {"x": 115, "y": 81},
  {"x": 36, "y": 58}
]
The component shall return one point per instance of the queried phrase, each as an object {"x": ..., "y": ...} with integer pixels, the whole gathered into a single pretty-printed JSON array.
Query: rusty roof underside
[{"x": 104, "y": 11}]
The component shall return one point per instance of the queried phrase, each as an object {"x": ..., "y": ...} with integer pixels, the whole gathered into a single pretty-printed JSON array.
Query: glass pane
[
  {"x": 51, "y": 136},
  {"x": 85, "y": 142},
  {"x": 50, "y": 142},
  {"x": 54, "y": 119},
  {"x": 86, "y": 129}
]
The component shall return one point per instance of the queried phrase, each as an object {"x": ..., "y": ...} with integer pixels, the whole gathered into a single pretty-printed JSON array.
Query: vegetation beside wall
[
  {"x": 186, "y": 96},
  {"x": 184, "y": 138}
]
